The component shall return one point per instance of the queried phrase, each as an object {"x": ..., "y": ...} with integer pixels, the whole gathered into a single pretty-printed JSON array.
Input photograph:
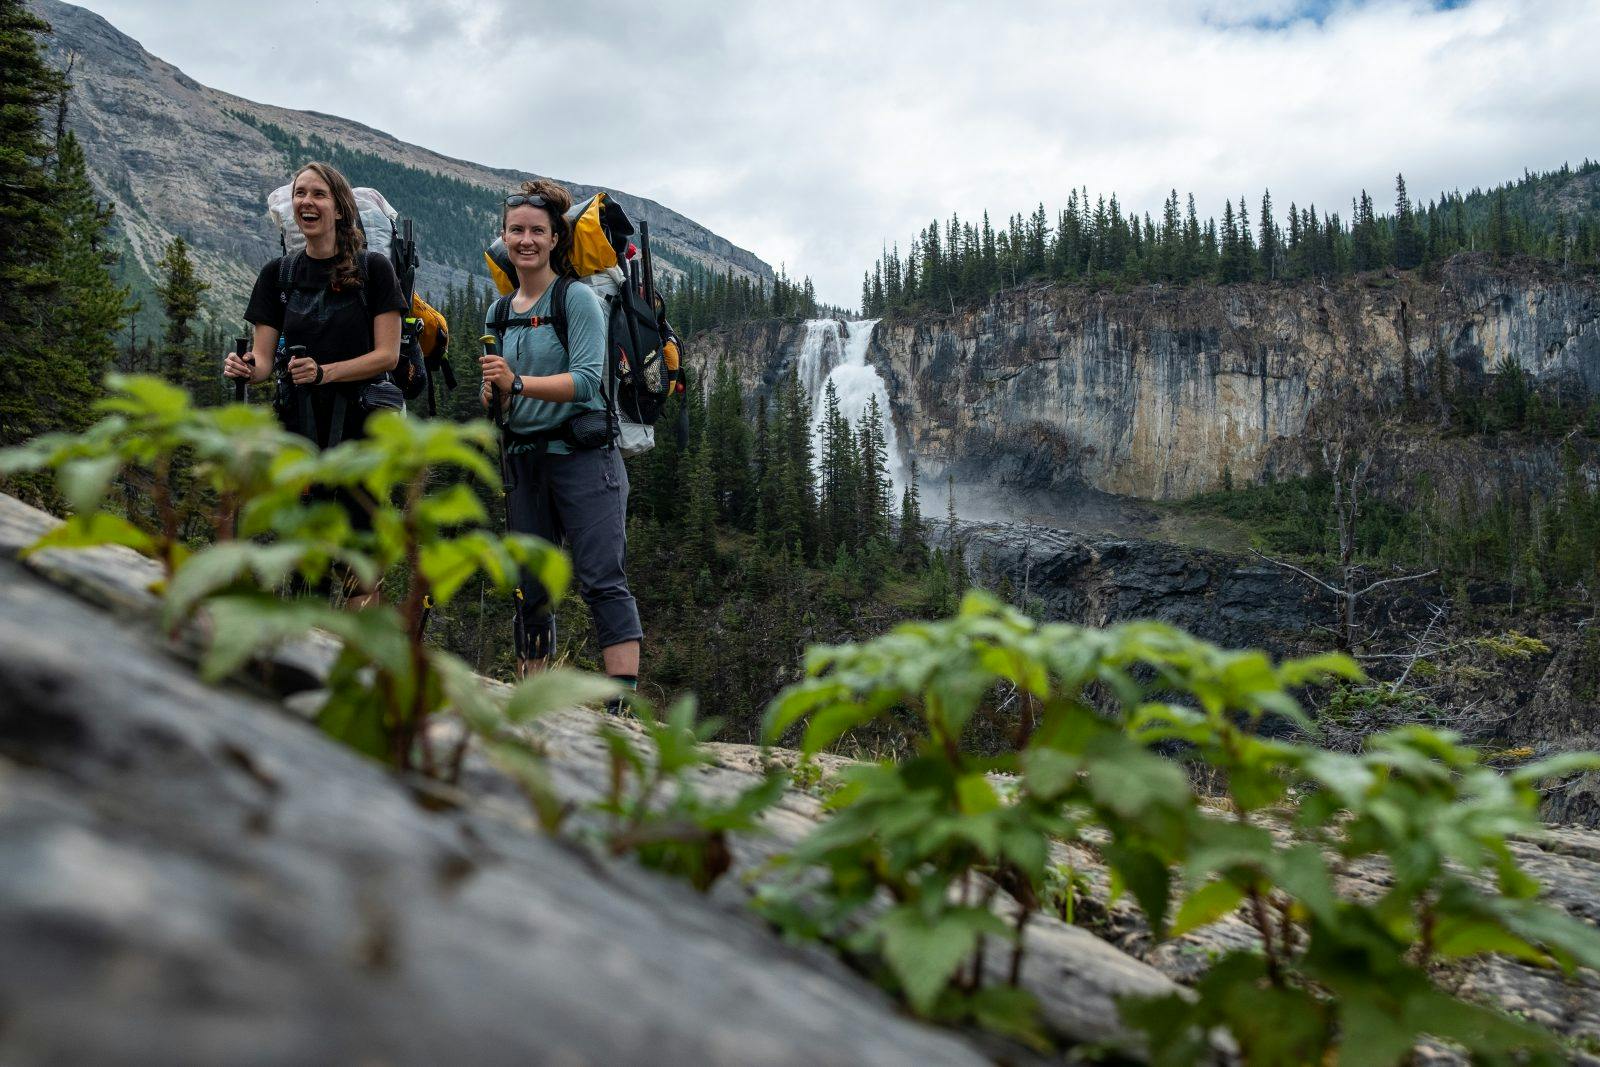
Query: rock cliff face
[{"x": 1155, "y": 392}]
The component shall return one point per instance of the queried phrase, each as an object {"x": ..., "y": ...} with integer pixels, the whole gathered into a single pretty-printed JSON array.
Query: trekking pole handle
[
  {"x": 241, "y": 346},
  {"x": 491, "y": 347}
]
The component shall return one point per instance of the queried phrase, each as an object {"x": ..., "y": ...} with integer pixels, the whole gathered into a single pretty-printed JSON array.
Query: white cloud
[{"x": 813, "y": 134}]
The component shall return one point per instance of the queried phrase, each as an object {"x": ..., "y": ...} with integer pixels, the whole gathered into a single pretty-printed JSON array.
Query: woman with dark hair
[
  {"x": 339, "y": 302},
  {"x": 567, "y": 477}
]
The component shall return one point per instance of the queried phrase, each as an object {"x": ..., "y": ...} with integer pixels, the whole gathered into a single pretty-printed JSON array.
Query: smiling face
[
  {"x": 314, "y": 209},
  {"x": 529, "y": 238}
]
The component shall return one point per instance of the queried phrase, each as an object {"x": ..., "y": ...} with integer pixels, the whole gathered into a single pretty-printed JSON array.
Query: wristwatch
[{"x": 516, "y": 385}]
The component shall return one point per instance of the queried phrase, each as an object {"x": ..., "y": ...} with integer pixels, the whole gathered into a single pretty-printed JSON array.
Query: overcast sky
[{"x": 813, "y": 134}]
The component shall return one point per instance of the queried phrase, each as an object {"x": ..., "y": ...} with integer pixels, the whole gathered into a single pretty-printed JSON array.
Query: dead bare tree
[{"x": 1348, "y": 457}]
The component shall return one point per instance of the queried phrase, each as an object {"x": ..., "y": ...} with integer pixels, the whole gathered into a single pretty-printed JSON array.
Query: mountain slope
[{"x": 180, "y": 159}]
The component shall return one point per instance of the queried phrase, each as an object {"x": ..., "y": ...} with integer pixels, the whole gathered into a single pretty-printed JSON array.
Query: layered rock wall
[{"x": 1155, "y": 392}]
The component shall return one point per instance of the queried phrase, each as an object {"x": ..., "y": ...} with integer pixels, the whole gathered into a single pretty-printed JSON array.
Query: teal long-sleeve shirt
[{"x": 536, "y": 352}]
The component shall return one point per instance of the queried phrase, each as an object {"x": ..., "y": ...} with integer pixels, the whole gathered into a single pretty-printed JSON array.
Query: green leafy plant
[
  {"x": 655, "y": 811},
  {"x": 197, "y": 466},
  {"x": 275, "y": 517},
  {"x": 920, "y": 861}
]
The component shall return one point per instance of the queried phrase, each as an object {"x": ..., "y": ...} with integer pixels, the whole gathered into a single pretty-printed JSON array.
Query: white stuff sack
[
  {"x": 378, "y": 218},
  {"x": 634, "y": 438}
]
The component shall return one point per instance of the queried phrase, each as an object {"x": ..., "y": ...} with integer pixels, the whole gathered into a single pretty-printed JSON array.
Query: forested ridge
[{"x": 1092, "y": 241}]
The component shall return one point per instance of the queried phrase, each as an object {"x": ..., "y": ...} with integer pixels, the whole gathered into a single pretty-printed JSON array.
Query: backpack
[
  {"x": 643, "y": 366},
  {"x": 388, "y": 235}
]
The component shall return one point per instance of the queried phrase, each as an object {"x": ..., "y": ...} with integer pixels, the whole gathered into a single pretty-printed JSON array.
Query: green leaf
[
  {"x": 1571, "y": 941},
  {"x": 531, "y": 772},
  {"x": 91, "y": 530},
  {"x": 244, "y": 624},
  {"x": 1149, "y": 879},
  {"x": 1171, "y": 1025},
  {"x": 832, "y": 723},
  {"x": 1557, "y": 766},
  {"x": 1465, "y": 936},
  {"x": 464, "y": 691},
  {"x": 1311, "y": 670},
  {"x": 1302, "y": 872},
  {"x": 546, "y": 562},
  {"x": 557, "y": 689},
  {"x": 798, "y": 701},
  {"x": 1049, "y": 772},
  {"x": 1003, "y": 1009},
  {"x": 975, "y": 795},
  {"x": 1479, "y": 1029},
  {"x": 354, "y": 716},
  {"x": 1027, "y": 848},
  {"x": 221, "y": 565},
  {"x": 1205, "y": 906},
  {"x": 456, "y": 506},
  {"x": 203, "y": 573},
  {"x": 924, "y": 953},
  {"x": 1373, "y": 1030},
  {"x": 84, "y": 481}
]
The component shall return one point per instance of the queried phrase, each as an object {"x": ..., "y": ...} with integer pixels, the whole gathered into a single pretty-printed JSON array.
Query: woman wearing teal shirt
[{"x": 567, "y": 477}]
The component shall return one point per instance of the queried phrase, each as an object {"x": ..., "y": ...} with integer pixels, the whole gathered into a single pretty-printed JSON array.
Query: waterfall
[
  {"x": 825, "y": 358},
  {"x": 819, "y": 354}
]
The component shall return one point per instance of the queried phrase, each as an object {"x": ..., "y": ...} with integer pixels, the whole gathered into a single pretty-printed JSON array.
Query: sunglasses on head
[{"x": 518, "y": 200}]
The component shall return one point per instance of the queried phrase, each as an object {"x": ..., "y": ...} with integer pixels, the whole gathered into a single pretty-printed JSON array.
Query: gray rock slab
[{"x": 188, "y": 875}]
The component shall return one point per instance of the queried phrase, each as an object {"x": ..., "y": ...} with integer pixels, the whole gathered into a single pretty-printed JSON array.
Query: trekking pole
[
  {"x": 491, "y": 347},
  {"x": 241, "y": 345},
  {"x": 649, "y": 265}
]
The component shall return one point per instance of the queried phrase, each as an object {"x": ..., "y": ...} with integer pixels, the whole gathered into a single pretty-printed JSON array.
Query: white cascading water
[
  {"x": 824, "y": 359},
  {"x": 819, "y": 354}
]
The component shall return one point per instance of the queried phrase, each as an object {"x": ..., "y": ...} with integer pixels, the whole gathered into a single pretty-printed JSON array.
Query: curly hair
[
  {"x": 557, "y": 202},
  {"x": 349, "y": 240}
]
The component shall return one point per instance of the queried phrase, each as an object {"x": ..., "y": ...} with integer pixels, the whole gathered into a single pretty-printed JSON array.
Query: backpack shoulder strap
[
  {"x": 558, "y": 308},
  {"x": 499, "y": 318},
  {"x": 286, "y": 265}
]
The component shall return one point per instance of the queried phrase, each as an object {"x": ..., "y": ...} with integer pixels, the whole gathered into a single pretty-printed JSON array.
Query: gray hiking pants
[{"x": 582, "y": 498}]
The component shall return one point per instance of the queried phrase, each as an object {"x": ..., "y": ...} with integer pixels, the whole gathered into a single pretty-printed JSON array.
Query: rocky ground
[{"x": 195, "y": 875}]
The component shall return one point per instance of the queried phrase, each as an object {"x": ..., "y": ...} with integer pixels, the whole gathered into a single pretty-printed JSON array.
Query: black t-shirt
[{"x": 333, "y": 324}]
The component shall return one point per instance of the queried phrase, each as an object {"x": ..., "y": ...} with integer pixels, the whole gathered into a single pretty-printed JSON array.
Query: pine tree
[
  {"x": 1271, "y": 255},
  {"x": 795, "y": 515},
  {"x": 1365, "y": 250},
  {"x": 956, "y": 557},
  {"x": 727, "y": 439},
  {"x": 875, "y": 486},
  {"x": 699, "y": 544},
  {"x": 30, "y": 401},
  {"x": 833, "y": 506},
  {"x": 1245, "y": 250},
  {"x": 1407, "y": 235},
  {"x": 179, "y": 289},
  {"x": 911, "y": 545},
  {"x": 1229, "y": 235},
  {"x": 1500, "y": 226},
  {"x": 89, "y": 306}
]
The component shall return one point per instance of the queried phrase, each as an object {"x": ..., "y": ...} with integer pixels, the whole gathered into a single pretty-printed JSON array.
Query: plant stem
[
  {"x": 1258, "y": 911},
  {"x": 411, "y": 724},
  {"x": 1015, "y": 977},
  {"x": 168, "y": 515}
]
